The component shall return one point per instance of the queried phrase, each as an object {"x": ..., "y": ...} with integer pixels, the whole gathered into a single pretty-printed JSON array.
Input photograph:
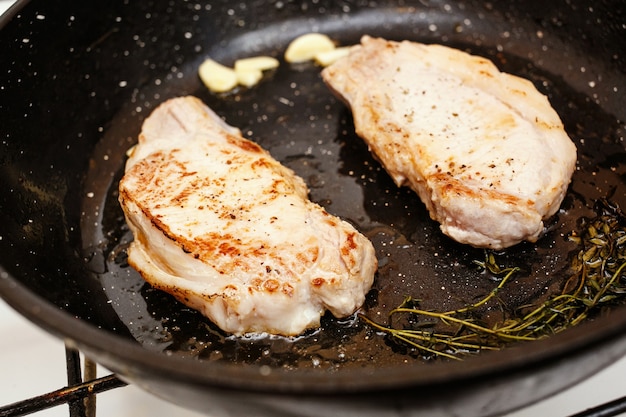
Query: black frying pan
[{"x": 79, "y": 77}]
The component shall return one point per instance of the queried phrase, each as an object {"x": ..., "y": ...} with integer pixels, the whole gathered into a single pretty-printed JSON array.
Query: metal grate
[
  {"x": 81, "y": 396},
  {"x": 610, "y": 409}
]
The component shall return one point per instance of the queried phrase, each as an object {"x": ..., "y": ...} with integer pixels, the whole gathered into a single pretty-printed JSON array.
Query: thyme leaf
[{"x": 598, "y": 278}]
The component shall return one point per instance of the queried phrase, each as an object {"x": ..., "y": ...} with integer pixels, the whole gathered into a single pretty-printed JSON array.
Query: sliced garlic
[
  {"x": 328, "y": 57},
  {"x": 305, "y": 47},
  {"x": 250, "y": 70},
  {"x": 260, "y": 63},
  {"x": 248, "y": 77},
  {"x": 217, "y": 77}
]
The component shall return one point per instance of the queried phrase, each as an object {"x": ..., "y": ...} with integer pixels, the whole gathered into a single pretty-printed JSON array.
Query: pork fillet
[
  {"x": 227, "y": 230},
  {"x": 484, "y": 150}
]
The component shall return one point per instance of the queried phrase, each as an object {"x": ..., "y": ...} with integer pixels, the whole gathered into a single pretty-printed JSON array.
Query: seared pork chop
[
  {"x": 484, "y": 150},
  {"x": 229, "y": 231}
]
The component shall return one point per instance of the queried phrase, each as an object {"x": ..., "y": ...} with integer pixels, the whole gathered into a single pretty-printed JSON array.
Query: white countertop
[{"x": 5, "y": 4}]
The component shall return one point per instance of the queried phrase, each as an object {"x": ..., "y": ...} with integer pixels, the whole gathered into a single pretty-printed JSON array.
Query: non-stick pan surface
[{"x": 79, "y": 78}]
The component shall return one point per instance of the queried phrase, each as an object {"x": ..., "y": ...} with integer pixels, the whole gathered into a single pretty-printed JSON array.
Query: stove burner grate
[{"x": 80, "y": 394}]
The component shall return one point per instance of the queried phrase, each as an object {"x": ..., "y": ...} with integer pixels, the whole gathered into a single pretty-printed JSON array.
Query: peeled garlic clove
[
  {"x": 217, "y": 77},
  {"x": 248, "y": 77},
  {"x": 260, "y": 63},
  {"x": 250, "y": 70},
  {"x": 326, "y": 58},
  {"x": 305, "y": 47}
]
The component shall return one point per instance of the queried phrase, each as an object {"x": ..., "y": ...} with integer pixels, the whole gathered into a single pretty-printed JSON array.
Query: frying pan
[{"x": 79, "y": 77}]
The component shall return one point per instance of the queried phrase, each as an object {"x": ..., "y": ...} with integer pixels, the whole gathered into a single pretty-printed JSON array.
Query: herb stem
[{"x": 598, "y": 279}]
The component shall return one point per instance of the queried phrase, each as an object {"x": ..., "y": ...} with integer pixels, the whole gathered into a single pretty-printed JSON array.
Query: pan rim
[{"x": 112, "y": 350}]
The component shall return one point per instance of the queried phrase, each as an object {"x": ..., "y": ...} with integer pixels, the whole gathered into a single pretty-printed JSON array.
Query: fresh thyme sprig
[{"x": 598, "y": 278}]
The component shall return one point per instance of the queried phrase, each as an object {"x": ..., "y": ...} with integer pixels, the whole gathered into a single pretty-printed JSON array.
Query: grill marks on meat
[
  {"x": 483, "y": 149},
  {"x": 227, "y": 230}
]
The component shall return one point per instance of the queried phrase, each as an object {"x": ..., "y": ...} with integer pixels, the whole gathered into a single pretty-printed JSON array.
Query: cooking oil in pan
[{"x": 295, "y": 117}]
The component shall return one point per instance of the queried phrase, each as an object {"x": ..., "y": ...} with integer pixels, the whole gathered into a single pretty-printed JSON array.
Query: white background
[{"x": 33, "y": 363}]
